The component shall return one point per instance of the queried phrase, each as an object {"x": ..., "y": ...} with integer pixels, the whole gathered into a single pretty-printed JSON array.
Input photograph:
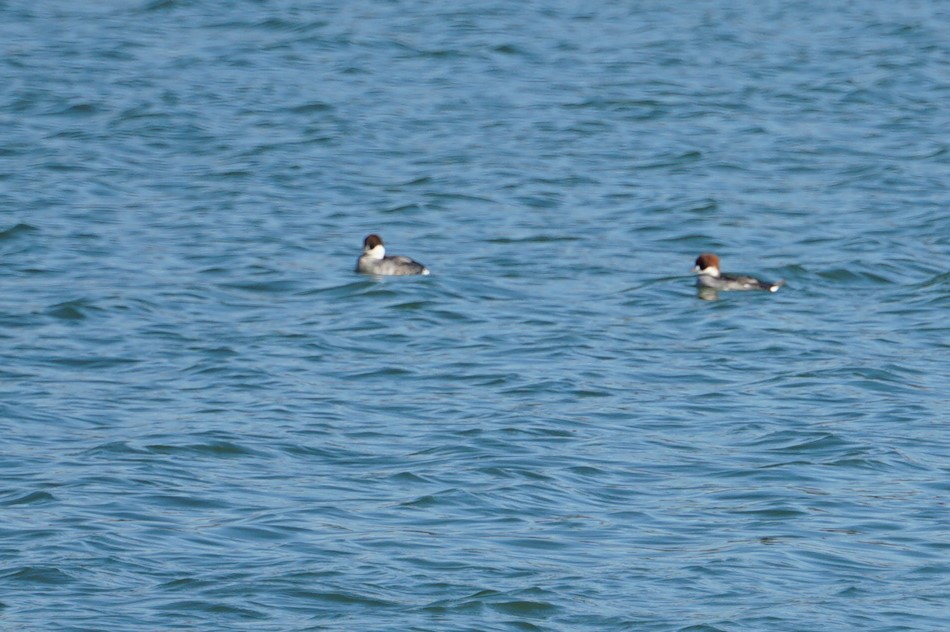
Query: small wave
[{"x": 17, "y": 230}]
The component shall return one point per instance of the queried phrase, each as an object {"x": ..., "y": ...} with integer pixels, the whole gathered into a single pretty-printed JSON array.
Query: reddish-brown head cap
[{"x": 707, "y": 260}]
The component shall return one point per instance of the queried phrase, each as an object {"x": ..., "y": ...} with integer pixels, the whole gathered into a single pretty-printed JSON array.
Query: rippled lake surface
[{"x": 208, "y": 421}]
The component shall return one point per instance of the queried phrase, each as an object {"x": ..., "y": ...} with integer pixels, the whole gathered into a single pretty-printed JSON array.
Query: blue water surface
[{"x": 208, "y": 421}]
